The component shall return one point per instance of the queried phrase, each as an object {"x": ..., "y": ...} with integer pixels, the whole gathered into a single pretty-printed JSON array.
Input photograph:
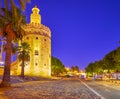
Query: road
[
  {"x": 108, "y": 91},
  {"x": 59, "y": 89}
]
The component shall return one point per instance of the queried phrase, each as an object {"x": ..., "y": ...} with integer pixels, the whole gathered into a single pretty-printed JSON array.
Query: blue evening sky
[{"x": 83, "y": 31}]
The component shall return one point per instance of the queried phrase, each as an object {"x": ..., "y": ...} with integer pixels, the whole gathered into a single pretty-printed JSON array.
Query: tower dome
[{"x": 35, "y": 17}]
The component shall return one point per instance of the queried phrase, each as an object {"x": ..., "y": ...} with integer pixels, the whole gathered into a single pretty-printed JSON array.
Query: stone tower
[{"x": 39, "y": 38}]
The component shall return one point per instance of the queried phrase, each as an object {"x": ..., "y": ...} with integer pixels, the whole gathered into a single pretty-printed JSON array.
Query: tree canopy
[
  {"x": 57, "y": 66},
  {"x": 110, "y": 62}
]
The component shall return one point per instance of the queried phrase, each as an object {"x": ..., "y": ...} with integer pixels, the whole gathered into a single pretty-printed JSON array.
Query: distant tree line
[
  {"x": 109, "y": 63},
  {"x": 58, "y": 68}
]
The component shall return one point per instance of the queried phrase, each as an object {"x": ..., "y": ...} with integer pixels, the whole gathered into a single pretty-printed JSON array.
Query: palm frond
[
  {"x": 24, "y": 51},
  {"x": 6, "y": 8},
  {"x": 23, "y": 3}
]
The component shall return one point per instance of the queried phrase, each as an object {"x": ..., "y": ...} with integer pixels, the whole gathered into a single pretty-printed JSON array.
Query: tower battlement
[{"x": 37, "y": 28}]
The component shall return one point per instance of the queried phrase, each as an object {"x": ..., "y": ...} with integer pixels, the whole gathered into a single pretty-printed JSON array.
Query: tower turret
[{"x": 35, "y": 17}]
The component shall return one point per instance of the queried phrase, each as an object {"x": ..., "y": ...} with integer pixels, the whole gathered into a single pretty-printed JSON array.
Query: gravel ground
[{"x": 51, "y": 89}]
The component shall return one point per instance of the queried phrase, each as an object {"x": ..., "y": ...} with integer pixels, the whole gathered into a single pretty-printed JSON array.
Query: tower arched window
[
  {"x": 36, "y": 64},
  {"x": 27, "y": 38},
  {"x": 36, "y": 52},
  {"x": 44, "y": 39},
  {"x": 36, "y": 38}
]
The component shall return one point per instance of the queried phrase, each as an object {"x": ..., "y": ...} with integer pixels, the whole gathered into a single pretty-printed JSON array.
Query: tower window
[
  {"x": 36, "y": 64},
  {"x": 44, "y": 39},
  {"x": 36, "y": 52},
  {"x": 36, "y": 38},
  {"x": 27, "y": 38}
]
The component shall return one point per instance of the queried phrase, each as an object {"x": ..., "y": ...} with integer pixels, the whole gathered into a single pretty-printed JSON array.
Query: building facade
[{"x": 39, "y": 38}]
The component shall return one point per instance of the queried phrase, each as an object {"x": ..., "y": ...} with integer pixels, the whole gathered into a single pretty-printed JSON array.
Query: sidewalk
[
  {"x": 111, "y": 84},
  {"x": 16, "y": 80},
  {"x": 2, "y": 94}
]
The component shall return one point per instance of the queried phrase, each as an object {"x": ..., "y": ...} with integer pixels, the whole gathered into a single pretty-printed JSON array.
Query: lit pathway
[{"x": 57, "y": 89}]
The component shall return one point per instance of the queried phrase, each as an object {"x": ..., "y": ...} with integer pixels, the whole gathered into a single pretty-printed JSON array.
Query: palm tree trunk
[
  {"x": 22, "y": 69},
  {"x": 6, "y": 75}
]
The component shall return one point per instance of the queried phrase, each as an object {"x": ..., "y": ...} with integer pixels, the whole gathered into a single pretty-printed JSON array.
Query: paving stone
[{"x": 58, "y": 89}]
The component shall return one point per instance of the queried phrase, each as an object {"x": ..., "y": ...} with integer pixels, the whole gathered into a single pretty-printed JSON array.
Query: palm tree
[
  {"x": 23, "y": 55},
  {"x": 11, "y": 20}
]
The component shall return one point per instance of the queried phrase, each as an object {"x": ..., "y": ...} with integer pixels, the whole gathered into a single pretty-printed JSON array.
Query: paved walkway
[
  {"x": 51, "y": 89},
  {"x": 58, "y": 89}
]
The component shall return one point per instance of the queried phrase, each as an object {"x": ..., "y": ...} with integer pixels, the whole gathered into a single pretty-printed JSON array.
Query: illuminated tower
[{"x": 39, "y": 38}]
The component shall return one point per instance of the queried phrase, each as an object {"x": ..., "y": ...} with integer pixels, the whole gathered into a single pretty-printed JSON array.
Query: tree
[
  {"x": 109, "y": 62},
  {"x": 100, "y": 65},
  {"x": 23, "y": 55},
  {"x": 90, "y": 68},
  {"x": 56, "y": 66},
  {"x": 117, "y": 59},
  {"x": 11, "y": 20}
]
